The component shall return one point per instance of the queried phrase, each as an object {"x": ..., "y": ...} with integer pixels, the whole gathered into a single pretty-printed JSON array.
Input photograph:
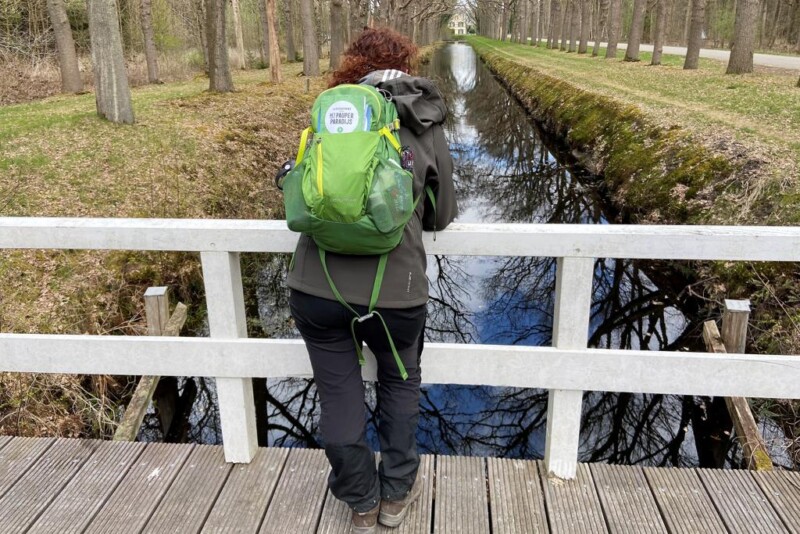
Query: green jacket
[{"x": 422, "y": 111}]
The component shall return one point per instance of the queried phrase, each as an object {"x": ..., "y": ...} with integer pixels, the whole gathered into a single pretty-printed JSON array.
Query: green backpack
[{"x": 348, "y": 189}]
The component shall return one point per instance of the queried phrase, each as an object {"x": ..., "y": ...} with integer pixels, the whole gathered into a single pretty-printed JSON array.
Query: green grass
[
  {"x": 766, "y": 102},
  {"x": 190, "y": 154}
]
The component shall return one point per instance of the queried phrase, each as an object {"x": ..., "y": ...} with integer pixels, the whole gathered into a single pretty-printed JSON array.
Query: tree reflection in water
[{"x": 506, "y": 172}]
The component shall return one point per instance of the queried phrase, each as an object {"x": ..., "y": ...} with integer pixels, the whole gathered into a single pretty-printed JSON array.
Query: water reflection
[{"x": 506, "y": 171}]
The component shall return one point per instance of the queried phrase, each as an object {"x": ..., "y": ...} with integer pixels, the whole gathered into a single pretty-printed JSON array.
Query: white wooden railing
[{"x": 566, "y": 369}]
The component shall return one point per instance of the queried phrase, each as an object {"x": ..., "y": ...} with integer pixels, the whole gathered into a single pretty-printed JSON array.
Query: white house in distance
[{"x": 458, "y": 23}]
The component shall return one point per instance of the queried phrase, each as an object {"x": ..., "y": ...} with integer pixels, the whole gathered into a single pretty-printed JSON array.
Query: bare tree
[
  {"x": 112, "y": 93},
  {"x": 338, "y": 33},
  {"x": 601, "y": 27},
  {"x": 310, "y": 54},
  {"x": 274, "y": 51},
  {"x": 661, "y": 28},
  {"x": 574, "y": 24},
  {"x": 695, "y": 34},
  {"x": 266, "y": 36},
  {"x": 586, "y": 11},
  {"x": 564, "y": 25},
  {"x": 219, "y": 72},
  {"x": 614, "y": 22},
  {"x": 71, "y": 81},
  {"x": 237, "y": 27},
  {"x": 150, "y": 53},
  {"x": 744, "y": 35},
  {"x": 555, "y": 17},
  {"x": 359, "y": 10},
  {"x": 637, "y": 27},
  {"x": 288, "y": 30}
]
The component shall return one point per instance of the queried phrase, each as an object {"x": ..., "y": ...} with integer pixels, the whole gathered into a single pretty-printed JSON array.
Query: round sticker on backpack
[{"x": 341, "y": 117}]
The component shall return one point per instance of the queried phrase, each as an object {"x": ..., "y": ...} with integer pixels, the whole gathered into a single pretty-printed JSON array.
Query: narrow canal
[{"x": 507, "y": 170}]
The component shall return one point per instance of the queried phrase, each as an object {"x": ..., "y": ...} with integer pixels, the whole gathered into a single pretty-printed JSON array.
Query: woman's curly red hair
[{"x": 375, "y": 49}]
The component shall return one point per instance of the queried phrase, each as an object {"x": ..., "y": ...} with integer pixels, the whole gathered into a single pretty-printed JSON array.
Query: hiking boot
[
  {"x": 393, "y": 512},
  {"x": 366, "y": 522}
]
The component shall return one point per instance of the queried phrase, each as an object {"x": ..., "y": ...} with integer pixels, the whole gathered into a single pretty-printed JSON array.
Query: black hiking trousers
[{"x": 325, "y": 327}]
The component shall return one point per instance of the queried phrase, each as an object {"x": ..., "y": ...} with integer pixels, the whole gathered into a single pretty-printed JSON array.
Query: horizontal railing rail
[{"x": 566, "y": 369}]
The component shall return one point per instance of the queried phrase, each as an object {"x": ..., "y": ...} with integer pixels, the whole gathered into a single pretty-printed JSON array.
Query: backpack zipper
[{"x": 319, "y": 166}]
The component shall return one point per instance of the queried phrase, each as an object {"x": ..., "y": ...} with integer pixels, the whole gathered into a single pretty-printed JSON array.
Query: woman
[{"x": 384, "y": 59}]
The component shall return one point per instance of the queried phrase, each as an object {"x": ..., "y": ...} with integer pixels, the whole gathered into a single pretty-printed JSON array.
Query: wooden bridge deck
[{"x": 64, "y": 485}]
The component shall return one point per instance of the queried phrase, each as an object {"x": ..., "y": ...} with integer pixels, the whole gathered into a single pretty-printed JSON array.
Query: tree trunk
[
  {"x": 219, "y": 72},
  {"x": 504, "y": 21},
  {"x": 71, "y": 81},
  {"x": 237, "y": 27},
  {"x": 199, "y": 13},
  {"x": 337, "y": 32},
  {"x": 564, "y": 31},
  {"x": 744, "y": 38},
  {"x": 536, "y": 8},
  {"x": 288, "y": 29},
  {"x": 112, "y": 93},
  {"x": 695, "y": 34},
  {"x": 274, "y": 50},
  {"x": 687, "y": 22},
  {"x": 265, "y": 33},
  {"x": 575, "y": 25},
  {"x": 637, "y": 27},
  {"x": 524, "y": 23},
  {"x": 358, "y": 18},
  {"x": 310, "y": 56},
  {"x": 552, "y": 35},
  {"x": 586, "y": 10},
  {"x": 661, "y": 28},
  {"x": 601, "y": 27},
  {"x": 150, "y": 54},
  {"x": 614, "y": 22}
]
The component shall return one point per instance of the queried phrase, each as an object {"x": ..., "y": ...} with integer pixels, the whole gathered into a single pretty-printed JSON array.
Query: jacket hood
[{"x": 419, "y": 104}]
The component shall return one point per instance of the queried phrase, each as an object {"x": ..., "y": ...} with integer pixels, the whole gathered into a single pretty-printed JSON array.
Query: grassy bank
[
  {"x": 190, "y": 154},
  {"x": 680, "y": 147},
  {"x": 742, "y": 132}
]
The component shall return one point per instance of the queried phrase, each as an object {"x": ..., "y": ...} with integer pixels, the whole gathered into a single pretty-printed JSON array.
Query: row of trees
[
  {"x": 259, "y": 32},
  {"x": 571, "y": 24}
]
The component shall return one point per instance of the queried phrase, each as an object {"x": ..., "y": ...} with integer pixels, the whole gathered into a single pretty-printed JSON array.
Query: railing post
[
  {"x": 222, "y": 277},
  {"x": 570, "y": 331},
  {"x": 734, "y": 325}
]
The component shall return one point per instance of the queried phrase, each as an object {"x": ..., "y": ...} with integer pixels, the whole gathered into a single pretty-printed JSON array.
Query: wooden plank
[
  {"x": 734, "y": 325},
  {"x": 683, "y": 501},
  {"x": 754, "y": 449},
  {"x": 128, "y": 428},
  {"x": 572, "y": 505},
  {"x": 679, "y": 242},
  {"x": 190, "y": 498},
  {"x": 17, "y": 457},
  {"x": 782, "y": 489},
  {"x": 635, "y": 371},
  {"x": 570, "y": 331},
  {"x": 34, "y": 491},
  {"x": 222, "y": 276},
  {"x": 461, "y": 504},
  {"x": 742, "y": 505},
  {"x": 515, "y": 496},
  {"x": 140, "y": 491},
  {"x": 243, "y": 502},
  {"x": 336, "y": 514},
  {"x": 158, "y": 324},
  {"x": 4, "y": 440},
  {"x": 628, "y": 503},
  {"x": 80, "y": 500},
  {"x": 298, "y": 501}
]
